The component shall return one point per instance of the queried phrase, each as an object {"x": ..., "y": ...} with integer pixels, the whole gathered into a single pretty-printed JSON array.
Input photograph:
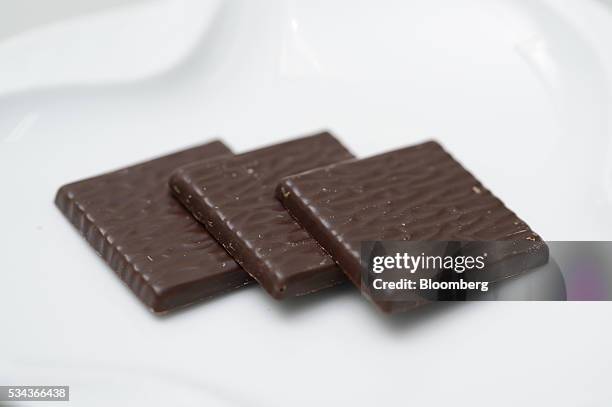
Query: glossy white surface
[{"x": 519, "y": 91}]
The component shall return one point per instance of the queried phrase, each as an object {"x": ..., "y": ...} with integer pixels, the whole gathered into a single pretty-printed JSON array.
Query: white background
[{"x": 519, "y": 91}]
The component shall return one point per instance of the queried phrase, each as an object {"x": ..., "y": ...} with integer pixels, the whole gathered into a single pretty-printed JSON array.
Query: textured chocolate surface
[
  {"x": 235, "y": 200},
  {"x": 418, "y": 193},
  {"x": 156, "y": 247}
]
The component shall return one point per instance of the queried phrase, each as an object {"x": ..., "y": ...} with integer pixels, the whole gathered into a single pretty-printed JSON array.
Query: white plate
[{"x": 518, "y": 91}]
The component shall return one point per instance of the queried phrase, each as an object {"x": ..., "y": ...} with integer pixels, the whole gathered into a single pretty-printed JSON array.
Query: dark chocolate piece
[
  {"x": 234, "y": 199},
  {"x": 418, "y": 193},
  {"x": 156, "y": 247}
]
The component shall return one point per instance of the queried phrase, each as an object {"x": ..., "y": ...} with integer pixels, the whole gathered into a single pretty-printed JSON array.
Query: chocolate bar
[
  {"x": 418, "y": 193},
  {"x": 234, "y": 199},
  {"x": 156, "y": 247}
]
